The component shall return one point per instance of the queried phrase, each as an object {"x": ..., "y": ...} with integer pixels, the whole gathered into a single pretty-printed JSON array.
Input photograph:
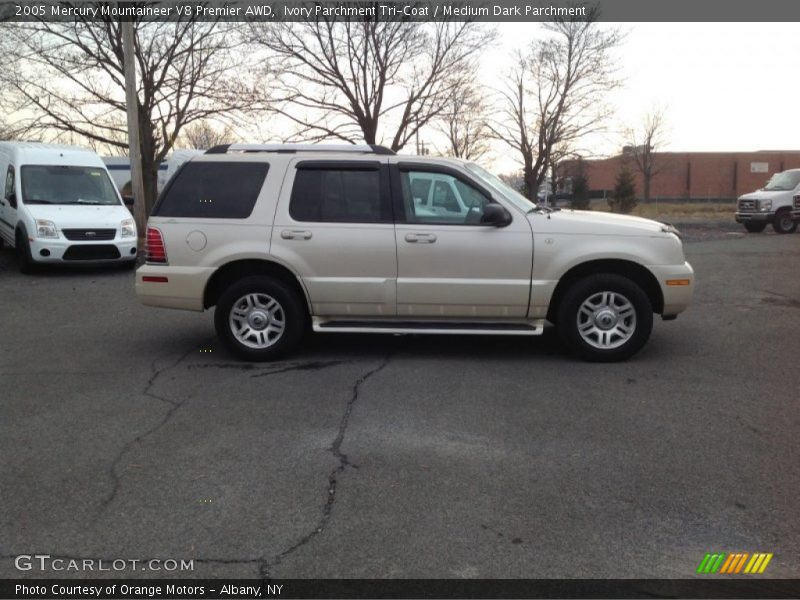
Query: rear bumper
[
  {"x": 765, "y": 217},
  {"x": 172, "y": 287},
  {"x": 677, "y": 286}
]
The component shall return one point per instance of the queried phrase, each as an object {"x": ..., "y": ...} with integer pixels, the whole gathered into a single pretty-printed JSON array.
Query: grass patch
[{"x": 690, "y": 210}]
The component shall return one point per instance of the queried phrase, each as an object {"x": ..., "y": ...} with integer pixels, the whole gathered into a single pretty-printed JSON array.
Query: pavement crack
[
  {"x": 310, "y": 366},
  {"x": 333, "y": 477},
  {"x": 146, "y": 391}
]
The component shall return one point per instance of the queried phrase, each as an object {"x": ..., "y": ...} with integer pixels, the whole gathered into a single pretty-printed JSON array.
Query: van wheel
[
  {"x": 605, "y": 318},
  {"x": 783, "y": 222},
  {"x": 755, "y": 226},
  {"x": 24, "y": 259},
  {"x": 259, "y": 318}
]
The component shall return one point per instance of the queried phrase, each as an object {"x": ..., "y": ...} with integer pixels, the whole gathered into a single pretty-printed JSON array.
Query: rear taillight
[{"x": 154, "y": 249}]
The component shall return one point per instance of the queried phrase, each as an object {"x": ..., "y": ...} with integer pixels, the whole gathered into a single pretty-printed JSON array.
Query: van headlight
[
  {"x": 127, "y": 228},
  {"x": 764, "y": 205},
  {"x": 46, "y": 229}
]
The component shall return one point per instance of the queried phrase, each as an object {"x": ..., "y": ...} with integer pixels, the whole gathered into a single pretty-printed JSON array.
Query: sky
[{"x": 722, "y": 86}]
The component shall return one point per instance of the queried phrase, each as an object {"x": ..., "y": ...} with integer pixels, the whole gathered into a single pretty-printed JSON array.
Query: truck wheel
[
  {"x": 24, "y": 259},
  {"x": 260, "y": 318},
  {"x": 783, "y": 222},
  {"x": 755, "y": 226},
  {"x": 605, "y": 318}
]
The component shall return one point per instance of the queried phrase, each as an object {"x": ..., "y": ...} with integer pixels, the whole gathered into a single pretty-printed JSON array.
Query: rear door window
[
  {"x": 208, "y": 190},
  {"x": 339, "y": 195}
]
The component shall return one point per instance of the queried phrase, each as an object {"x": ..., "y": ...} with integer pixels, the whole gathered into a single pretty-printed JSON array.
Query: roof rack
[{"x": 294, "y": 148}]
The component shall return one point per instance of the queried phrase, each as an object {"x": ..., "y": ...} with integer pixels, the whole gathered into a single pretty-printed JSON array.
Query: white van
[
  {"x": 119, "y": 168},
  {"x": 59, "y": 205},
  {"x": 771, "y": 204}
]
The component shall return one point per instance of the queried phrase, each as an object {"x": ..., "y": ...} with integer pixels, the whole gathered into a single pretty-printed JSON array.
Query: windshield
[
  {"x": 785, "y": 181},
  {"x": 56, "y": 184},
  {"x": 501, "y": 186}
]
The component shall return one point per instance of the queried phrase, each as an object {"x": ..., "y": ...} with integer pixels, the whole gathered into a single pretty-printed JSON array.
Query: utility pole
[{"x": 134, "y": 146}]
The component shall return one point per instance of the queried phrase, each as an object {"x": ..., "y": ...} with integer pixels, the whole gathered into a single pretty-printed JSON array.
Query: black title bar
[
  {"x": 79, "y": 589},
  {"x": 413, "y": 10}
]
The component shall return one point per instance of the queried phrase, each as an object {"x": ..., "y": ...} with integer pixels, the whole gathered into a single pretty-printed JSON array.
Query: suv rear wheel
[
  {"x": 260, "y": 318},
  {"x": 755, "y": 226},
  {"x": 605, "y": 318},
  {"x": 783, "y": 222}
]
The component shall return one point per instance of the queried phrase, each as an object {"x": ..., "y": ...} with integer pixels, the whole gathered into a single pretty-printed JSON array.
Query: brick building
[{"x": 687, "y": 175}]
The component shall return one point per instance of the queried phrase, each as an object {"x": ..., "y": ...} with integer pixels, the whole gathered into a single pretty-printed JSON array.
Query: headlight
[
  {"x": 46, "y": 229},
  {"x": 765, "y": 205},
  {"x": 128, "y": 228},
  {"x": 667, "y": 228}
]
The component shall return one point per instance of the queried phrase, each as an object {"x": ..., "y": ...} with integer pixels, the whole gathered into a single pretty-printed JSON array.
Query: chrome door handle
[
  {"x": 421, "y": 238},
  {"x": 296, "y": 234}
]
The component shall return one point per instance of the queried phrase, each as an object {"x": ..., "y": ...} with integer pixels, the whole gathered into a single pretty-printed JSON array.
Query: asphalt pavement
[{"x": 129, "y": 432}]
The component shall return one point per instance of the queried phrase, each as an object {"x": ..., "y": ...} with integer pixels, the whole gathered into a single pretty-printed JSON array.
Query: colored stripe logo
[{"x": 735, "y": 562}]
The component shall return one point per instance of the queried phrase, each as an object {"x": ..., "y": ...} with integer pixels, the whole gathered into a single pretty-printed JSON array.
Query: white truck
[{"x": 772, "y": 204}]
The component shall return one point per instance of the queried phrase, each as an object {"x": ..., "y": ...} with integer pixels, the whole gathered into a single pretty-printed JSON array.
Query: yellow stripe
[
  {"x": 749, "y": 566},
  {"x": 741, "y": 562},
  {"x": 757, "y": 563},
  {"x": 765, "y": 563}
]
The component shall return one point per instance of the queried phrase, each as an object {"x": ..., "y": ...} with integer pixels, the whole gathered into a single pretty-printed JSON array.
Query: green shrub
[
  {"x": 624, "y": 197},
  {"x": 580, "y": 192}
]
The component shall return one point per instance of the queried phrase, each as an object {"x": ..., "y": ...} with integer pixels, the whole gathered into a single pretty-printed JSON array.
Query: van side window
[
  {"x": 10, "y": 193},
  {"x": 339, "y": 195},
  {"x": 208, "y": 190}
]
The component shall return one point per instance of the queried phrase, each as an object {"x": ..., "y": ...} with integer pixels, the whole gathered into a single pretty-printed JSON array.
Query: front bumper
[
  {"x": 677, "y": 286},
  {"x": 47, "y": 250},
  {"x": 796, "y": 215},
  {"x": 761, "y": 217},
  {"x": 172, "y": 287}
]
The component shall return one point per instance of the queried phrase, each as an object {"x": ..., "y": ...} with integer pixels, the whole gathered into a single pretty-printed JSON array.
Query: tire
[
  {"x": 263, "y": 304},
  {"x": 755, "y": 226},
  {"x": 24, "y": 258},
  {"x": 783, "y": 222},
  {"x": 605, "y": 318}
]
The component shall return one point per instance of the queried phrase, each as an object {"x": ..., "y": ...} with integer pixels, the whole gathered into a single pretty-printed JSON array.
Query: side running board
[{"x": 432, "y": 327}]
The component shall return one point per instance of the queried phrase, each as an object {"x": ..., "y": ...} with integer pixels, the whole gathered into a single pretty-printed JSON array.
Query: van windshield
[
  {"x": 785, "y": 181},
  {"x": 56, "y": 184}
]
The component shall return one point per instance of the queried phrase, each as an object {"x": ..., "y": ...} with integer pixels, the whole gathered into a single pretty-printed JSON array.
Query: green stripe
[
  {"x": 702, "y": 567},
  {"x": 718, "y": 564}
]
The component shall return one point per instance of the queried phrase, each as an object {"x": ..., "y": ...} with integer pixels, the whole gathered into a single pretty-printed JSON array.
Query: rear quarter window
[{"x": 207, "y": 190}]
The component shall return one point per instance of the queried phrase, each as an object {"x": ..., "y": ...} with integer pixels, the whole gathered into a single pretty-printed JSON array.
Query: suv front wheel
[
  {"x": 605, "y": 318},
  {"x": 260, "y": 318}
]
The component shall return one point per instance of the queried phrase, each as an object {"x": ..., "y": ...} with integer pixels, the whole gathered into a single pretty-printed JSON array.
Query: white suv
[{"x": 358, "y": 239}]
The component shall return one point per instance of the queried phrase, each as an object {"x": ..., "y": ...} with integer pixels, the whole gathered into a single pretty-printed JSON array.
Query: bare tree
[
  {"x": 369, "y": 79},
  {"x": 554, "y": 94},
  {"x": 642, "y": 145},
  {"x": 203, "y": 135},
  {"x": 67, "y": 77},
  {"x": 463, "y": 123}
]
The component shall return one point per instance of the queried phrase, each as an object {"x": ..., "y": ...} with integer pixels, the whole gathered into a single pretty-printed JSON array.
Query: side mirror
[
  {"x": 494, "y": 214},
  {"x": 128, "y": 201},
  {"x": 12, "y": 200}
]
